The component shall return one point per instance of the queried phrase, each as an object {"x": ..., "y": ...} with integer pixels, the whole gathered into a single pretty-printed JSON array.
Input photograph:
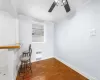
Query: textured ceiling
[{"x": 39, "y": 8}]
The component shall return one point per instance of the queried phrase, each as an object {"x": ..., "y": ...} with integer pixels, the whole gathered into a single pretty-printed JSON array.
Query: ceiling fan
[{"x": 62, "y": 3}]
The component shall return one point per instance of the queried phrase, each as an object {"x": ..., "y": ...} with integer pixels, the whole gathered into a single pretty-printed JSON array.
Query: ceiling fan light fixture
[
  {"x": 56, "y": 1},
  {"x": 62, "y": 3}
]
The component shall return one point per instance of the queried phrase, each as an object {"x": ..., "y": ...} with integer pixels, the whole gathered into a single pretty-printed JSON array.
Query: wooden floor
[{"x": 51, "y": 69}]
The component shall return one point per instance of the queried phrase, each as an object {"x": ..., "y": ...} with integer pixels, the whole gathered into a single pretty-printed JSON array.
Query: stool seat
[
  {"x": 26, "y": 52},
  {"x": 25, "y": 58}
]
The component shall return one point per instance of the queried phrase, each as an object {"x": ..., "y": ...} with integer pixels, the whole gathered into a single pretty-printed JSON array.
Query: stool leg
[
  {"x": 20, "y": 69},
  {"x": 24, "y": 69},
  {"x": 30, "y": 66}
]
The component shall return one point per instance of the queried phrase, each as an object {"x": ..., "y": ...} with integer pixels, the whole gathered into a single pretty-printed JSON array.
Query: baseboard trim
[{"x": 77, "y": 70}]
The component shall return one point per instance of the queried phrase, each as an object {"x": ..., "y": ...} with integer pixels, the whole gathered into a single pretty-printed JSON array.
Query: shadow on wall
[
  {"x": 3, "y": 65},
  {"x": 3, "y": 58},
  {"x": 71, "y": 15}
]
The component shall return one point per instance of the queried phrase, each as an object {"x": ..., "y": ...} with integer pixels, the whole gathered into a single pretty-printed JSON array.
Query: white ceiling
[{"x": 39, "y": 8}]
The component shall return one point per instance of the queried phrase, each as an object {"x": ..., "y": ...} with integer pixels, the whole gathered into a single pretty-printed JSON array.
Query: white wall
[
  {"x": 8, "y": 36},
  {"x": 26, "y": 38},
  {"x": 7, "y": 28},
  {"x": 75, "y": 46}
]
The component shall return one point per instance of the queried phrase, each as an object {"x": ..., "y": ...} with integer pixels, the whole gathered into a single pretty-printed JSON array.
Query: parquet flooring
[{"x": 51, "y": 69}]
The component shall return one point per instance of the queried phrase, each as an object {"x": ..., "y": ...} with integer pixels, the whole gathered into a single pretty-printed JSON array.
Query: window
[{"x": 37, "y": 33}]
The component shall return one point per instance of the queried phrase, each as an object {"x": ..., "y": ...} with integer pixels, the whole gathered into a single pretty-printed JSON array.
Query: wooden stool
[{"x": 26, "y": 62}]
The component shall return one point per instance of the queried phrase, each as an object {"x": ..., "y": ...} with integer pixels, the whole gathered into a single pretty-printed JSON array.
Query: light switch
[{"x": 93, "y": 32}]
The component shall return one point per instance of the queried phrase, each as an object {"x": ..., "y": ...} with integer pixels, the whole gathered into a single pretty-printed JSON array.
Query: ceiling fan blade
[
  {"x": 52, "y": 7},
  {"x": 67, "y": 7}
]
